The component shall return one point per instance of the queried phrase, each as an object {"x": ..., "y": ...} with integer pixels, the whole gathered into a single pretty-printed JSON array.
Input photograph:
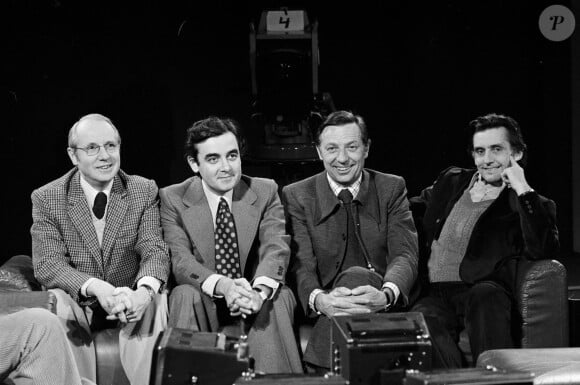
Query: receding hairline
[{"x": 72, "y": 133}]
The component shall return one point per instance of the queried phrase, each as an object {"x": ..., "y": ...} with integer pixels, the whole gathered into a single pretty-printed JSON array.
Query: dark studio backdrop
[{"x": 418, "y": 72}]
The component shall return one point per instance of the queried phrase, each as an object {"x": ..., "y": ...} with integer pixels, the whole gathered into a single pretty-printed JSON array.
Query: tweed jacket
[
  {"x": 512, "y": 227},
  {"x": 189, "y": 230},
  {"x": 318, "y": 245},
  {"x": 65, "y": 249}
]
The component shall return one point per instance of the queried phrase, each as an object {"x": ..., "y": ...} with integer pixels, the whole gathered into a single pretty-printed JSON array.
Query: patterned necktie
[
  {"x": 100, "y": 204},
  {"x": 227, "y": 258}
]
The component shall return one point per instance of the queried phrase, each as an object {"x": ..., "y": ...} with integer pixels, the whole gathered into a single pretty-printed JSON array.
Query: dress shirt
[
  {"x": 481, "y": 191},
  {"x": 208, "y": 286}
]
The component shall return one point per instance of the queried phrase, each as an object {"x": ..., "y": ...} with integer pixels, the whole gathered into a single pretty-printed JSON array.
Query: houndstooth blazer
[{"x": 65, "y": 249}]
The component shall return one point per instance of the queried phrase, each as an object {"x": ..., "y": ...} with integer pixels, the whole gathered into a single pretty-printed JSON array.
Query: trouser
[
  {"x": 318, "y": 349},
  {"x": 271, "y": 336},
  {"x": 136, "y": 340},
  {"x": 34, "y": 350},
  {"x": 483, "y": 309}
]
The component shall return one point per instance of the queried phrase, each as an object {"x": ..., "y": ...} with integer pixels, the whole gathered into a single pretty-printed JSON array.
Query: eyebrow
[
  {"x": 210, "y": 155},
  {"x": 491, "y": 145}
]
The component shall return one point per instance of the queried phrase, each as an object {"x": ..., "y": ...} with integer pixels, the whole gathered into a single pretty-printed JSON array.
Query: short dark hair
[
  {"x": 341, "y": 118},
  {"x": 493, "y": 120},
  {"x": 209, "y": 128}
]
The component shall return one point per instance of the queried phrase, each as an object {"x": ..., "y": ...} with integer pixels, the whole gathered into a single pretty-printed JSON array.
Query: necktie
[
  {"x": 100, "y": 204},
  {"x": 345, "y": 196},
  {"x": 355, "y": 246},
  {"x": 227, "y": 259}
]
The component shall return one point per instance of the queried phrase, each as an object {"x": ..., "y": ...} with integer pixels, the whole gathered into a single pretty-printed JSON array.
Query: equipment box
[
  {"x": 291, "y": 379},
  {"x": 182, "y": 357},
  {"x": 368, "y": 349}
]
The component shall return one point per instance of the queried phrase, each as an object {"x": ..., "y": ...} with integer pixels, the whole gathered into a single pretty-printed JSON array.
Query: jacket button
[
  {"x": 437, "y": 220},
  {"x": 344, "y": 237}
]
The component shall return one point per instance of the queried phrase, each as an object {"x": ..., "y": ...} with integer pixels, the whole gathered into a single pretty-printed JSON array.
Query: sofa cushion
[{"x": 550, "y": 365}]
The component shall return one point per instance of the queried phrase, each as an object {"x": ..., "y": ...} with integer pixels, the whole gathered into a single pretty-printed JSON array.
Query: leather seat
[{"x": 551, "y": 365}]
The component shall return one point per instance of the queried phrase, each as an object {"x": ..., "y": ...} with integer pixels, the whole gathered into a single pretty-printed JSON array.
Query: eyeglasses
[{"x": 93, "y": 149}]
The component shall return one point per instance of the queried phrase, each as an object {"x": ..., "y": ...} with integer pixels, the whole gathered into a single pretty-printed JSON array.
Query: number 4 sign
[{"x": 285, "y": 21}]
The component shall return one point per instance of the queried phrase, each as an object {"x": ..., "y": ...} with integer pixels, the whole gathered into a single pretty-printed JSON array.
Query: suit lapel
[
  {"x": 78, "y": 211},
  {"x": 368, "y": 198},
  {"x": 116, "y": 212},
  {"x": 326, "y": 201},
  {"x": 198, "y": 222},
  {"x": 326, "y": 206},
  {"x": 246, "y": 217}
]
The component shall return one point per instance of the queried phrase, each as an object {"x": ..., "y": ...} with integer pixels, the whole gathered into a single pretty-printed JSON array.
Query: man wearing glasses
[{"x": 97, "y": 244}]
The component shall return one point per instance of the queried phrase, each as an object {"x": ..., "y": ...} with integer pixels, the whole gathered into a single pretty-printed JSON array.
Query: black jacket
[{"x": 511, "y": 228}]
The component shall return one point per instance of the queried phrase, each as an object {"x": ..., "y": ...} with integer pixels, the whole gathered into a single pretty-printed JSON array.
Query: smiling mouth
[
  {"x": 343, "y": 169},
  {"x": 105, "y": 167}
]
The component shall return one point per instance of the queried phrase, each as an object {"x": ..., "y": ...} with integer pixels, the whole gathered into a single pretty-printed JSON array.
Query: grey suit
[
  {"x": 318, "y": 239},
  {"x": 263, "y": 248}
]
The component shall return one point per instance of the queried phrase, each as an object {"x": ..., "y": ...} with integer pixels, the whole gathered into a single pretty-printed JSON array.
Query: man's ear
[
  {"x": 518, "y": 156},
  {"x": 367, "y": 148},
  {"x": 319, "y": 153},
  {"x": 193, "y": 164},
  {"x": 72, "y": 156}
]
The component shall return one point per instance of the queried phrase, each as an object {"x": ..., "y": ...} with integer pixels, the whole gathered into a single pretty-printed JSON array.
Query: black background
[{"x": 418, "y": 72}]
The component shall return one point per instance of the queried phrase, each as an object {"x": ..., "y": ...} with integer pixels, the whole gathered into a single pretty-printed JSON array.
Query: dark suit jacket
[
  {"x": 317, "y": 244},
  {"x": 511, "y": 227},
  {"x": 189, "y": 230},
  {"x": 65, "y": 249}
]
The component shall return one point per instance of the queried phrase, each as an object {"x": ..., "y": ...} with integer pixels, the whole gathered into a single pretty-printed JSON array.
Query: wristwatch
[{"x": 150, "y": 291}]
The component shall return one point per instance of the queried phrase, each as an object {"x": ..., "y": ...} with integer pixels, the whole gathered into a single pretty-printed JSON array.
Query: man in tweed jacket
[{"x": 105, "y": 267}]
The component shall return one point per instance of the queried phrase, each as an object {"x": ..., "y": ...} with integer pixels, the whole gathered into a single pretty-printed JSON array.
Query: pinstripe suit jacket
[
  {"x": 65, "y": 249},
  {"x": 189, "y": 231}
]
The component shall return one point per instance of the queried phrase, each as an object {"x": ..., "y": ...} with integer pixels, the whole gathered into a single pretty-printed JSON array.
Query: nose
[
  {"x": 226, "y": 166},
  {"x": 342, "y": 156},
  {"x": 488, "y": 157},
  {"x": 103, "y": 154}
]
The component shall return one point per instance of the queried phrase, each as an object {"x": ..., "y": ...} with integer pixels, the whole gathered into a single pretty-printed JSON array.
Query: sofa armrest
[
  {"x": 15, "y": 301},
  {"x": 542, "y": 296},
  {"x": 19, "y": 289}
]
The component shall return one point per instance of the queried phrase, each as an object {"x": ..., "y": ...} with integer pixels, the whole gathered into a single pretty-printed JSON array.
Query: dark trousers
[
  {"x": 317, "y": 354},
  {"x": 483, "y": 309}
]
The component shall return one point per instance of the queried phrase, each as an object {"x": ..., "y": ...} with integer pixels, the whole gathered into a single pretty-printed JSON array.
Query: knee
[
  {"x": 40, "y": 321},
  {"x": 356, "y": 276},
  {"x": 285, "y": 301},
  {"x": 183, "y": 295},
  {"x": 487, "y": 295}
]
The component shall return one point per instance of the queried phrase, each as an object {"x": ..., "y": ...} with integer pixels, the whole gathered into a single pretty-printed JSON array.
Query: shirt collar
[
  {"x": 91, "y": 192},
  {"x": 336, "y": 188},
  {"x": 482, "y": 191},
  {"x": 213, "y": 199}
]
